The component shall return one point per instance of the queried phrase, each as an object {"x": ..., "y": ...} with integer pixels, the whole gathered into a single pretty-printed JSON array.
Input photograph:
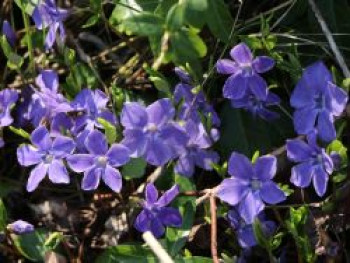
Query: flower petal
[
  {"x": 240, "y": 166},
  {"x": 168, "y": 196},
  {"x": 47, "y": 79},
  {"x": 320, "y": 180},
  {"x": 96, "y": 143},
  {"x": 151, "y": 193},
  {"x": 232, "y": 190},
  {"x": 298, "y": 150},
  {"x": 185, "y": 165},
  {"x": 51, "y": 35},
  {"x": 235, "y": 87},
  {"x": 263, "y": 64},
  {"x": 170, "y": 216},
  {"x": 91, "y": 179},
  {"x": 265, "y": 167},
  {"x": 135, "y": 141},
  {"x": 133, "y": 115},
  {"x": 28, "y": 155},
  {"x": 339, "y": 99},
  {"x": 36, "y": 176},
  {"x": 112, "y": 178},
  {"x": 325, "y": 127},
  {"x": 41, "y": 138},
  {"x": 257, "y": 86},
  {"x": 304, "y": 120},
  {"x": 250, "y": 206},
  {"x": 118, "y": 155},
  {"x": 160, "y": 112},
  {"x": 302, "y": 174},
  {"x": 241, "y": 54},
  {"x": 270, "y": 193},
  {"x": 62, "y": 146},
  {"x": 226, "y": 66},
  {"x": 143, "y": 221},
  {"x": 205, "y": 159},
  {"x": 157, "y": 152},
  {"x": 157, "y": 228},
  {"x": 58, "y": 173},
  {"x": 80, "y": 162}
]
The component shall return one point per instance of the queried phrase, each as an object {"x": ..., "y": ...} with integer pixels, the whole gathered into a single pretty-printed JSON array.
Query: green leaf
[
  {"x": 144, "y": 24},
  {"x": 110, "y": 130},
  {"x": 194, "y": 260},
  {"x": 135, "y": 168},
  {"x": 186, "y": 46},
  {"x": 219, "y": 19},
  {"x": 20, "y": 132},
  {"x": 27, "y": 5},
  {"x": 14, "y": 61},
  {"x": 6, "y": 48},
  {"x": 337, "y": 146},
  {"x": 32, "y": 245},
  {"x": 127, "y": 254},
  {"x": 159, "y": 81},
  {"x": 53, "y": 240},
  {"x": 3, "y": 216},
  {"x": 176, "y": 17},
  {"x": 91, "y": 21}
]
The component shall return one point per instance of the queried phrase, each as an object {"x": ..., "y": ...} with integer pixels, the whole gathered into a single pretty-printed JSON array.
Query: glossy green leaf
[
  {"x": 219, "y": 19},
  {"x": 3, "y": 216},
  {"x": 20, "y": 132},
  {"x": 144, "y": 24},
  {"x": 32, "y": 245},
  {"x": 135, "y": 168},
  {"x": 110, "y": 130},
  {"x": 176, "y": 17}
]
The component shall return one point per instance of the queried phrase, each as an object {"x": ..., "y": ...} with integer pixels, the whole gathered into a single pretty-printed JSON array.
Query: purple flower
[
  {"x": 250, "y": 185},
  {"x": 8, "y": 98},
  {"x": 151, "y": 132},
  {"x": 196, "y": 152},
  {"x": 47, "y": 155},
  {"x": 244, "y": 71},
  {"x": 94, "y": 106},
  {"x": 317, "y": 100},
  {"x": 100, "y": 162},
  {"x": 313, "y": 163},
  {"x": 245, "y": 232},
  {"x": 47, "y": 14},
  {"x": 47, "y": 102},
  {"x": 155, "y": 215},
  {"x": 20, "y": 227},
  {"x": 8, "y": 32},
  {"x": 258, "y": 106},
  {"x": 183, "y": 75}
]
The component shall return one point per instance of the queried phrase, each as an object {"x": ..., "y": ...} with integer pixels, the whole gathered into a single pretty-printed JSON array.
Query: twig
[
  {"x": 213, "y": 228},
  {"x": 338, "y": 56},
  {"x": 151, "y": 179},
  {"x": 156, "y": 247},
  {"x": 164, "y": 48}
]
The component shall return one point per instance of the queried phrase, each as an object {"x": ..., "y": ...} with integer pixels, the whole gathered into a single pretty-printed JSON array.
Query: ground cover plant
[{"x": 174, "y": 131}]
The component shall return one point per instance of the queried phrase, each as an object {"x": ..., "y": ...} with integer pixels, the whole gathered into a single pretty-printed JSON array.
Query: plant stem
[{"x": 29, "y": 42}]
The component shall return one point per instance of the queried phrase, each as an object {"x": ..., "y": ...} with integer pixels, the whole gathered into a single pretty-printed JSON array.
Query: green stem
[{"x": 29, "y": 41}]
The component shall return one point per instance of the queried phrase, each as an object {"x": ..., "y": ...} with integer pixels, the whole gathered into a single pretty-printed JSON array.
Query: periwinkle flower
[
  {"x": 150, "y": 132},
  {"x": 93, "y": 104},
  {"x": 100, "y": 162},
  {"x": 244, "y": 71},
  {"x": 250, "y": 185},
  {"x": 47, "y": 102},
  {"x": 47, "y": 155},
  {"x": 8, "y": 98},
  {"x": 155, "y": 216},
  {"x": 196, "y": 152},
  {"x": 313, "y": 163},
  {"x": 244, "y": 232},
  {"x": 9, "y": 33},
  {"x": 20, "y": 227},
  {"x": 317, "y": 100},
  {"x": 258, "y": 106},
  {"x": 47, "y": 14}
]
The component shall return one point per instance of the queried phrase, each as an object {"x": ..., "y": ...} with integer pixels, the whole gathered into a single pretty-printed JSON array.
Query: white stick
[{"x": 156, "y": 247}]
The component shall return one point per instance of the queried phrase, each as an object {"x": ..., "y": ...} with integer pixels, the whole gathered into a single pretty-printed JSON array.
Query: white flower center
[
  {"x": 102, "y": 161},
  {"x": 48, "y": 158},
  {"x": 152, "y": 127},
  {"x": 255, "y": 184}
]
